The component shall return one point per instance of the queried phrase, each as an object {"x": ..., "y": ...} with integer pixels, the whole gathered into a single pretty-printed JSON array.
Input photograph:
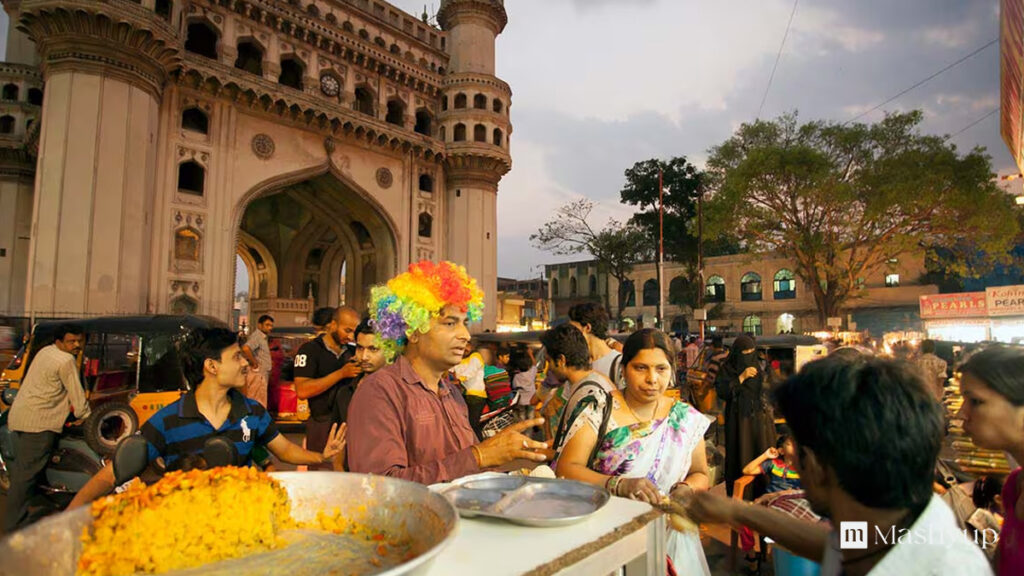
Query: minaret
[
  {"x": 105, "y": 65},
  {"x": 476, "y": 128}
]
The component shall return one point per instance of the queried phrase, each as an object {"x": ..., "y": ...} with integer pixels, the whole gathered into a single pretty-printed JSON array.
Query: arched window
[
  {"x": 201, "y": 38},
  {"x": 679, "y": 291},
  {"x": 250, "y": 58},
  {"x": 312, "y": 10},
  {"x": 498, "y": 139},
  {"x": 554, "y": 287},
  {"x": 426, "y": 183},
  {"x": 442, "y": 133},
  {"x": 35, "y": 96},
  {"x": 627, "y": 294},
  {"x": 423, "y": 122},
  {"x": 752, "y": 325},
  {"x": 426, "y": 225},
  {"x": 331, "y": 18},
  {"x": 380, "y": 42},
  {"x": 364, "y": 101},
  {"x": 186, "y": 245},
  {"x": 573, "y": 288},
  {"x": 6, "y": 124},
  {"x": 785, "y": 285},
  {"x": 498, "y": 106},
  {"x": 460, "y": 100},
  {"x": 163, "y": 9},
  {"x": 191, "y": 178},
  {"x": 651, "y": 293},
  {"x": 396, "y": 49},
  {"x": 364, "y": 34},
  {"x": 480, "y": 133},
  {"x": 444, "y": 104},
  {"x": 314, "y": 259},
  {"x": 480, "y": 102},
  {"x": 291, "y": 73},
  {"x": 593, "y": 285},
  {"x": 195, "y": 120},
  {"x": 440, "y": 69},
  {"x": 396, "y": 112},
  {"x": 714, "y": 290},
  {"x": 750, "y": 287},
  {"x": 460, "y": 133},
  {"x": 10, "y": 92}
]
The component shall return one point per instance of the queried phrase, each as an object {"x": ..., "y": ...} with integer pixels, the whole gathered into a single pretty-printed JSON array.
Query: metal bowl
[{"x": 426, "y": 520}]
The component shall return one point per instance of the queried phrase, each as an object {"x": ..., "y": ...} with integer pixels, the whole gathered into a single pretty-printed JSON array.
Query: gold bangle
[{"x": 478, "y": 457}]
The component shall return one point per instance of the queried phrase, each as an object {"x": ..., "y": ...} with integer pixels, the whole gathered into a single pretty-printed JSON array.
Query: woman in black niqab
[{"x": 749, "y": 429}]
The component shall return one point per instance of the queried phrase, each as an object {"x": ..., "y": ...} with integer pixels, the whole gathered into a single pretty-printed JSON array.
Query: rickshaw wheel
[{"x": 108, "y": 425}]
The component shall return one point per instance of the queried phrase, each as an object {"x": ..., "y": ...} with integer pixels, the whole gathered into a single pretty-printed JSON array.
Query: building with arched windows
[
  {"x": 743, "y": 293},
  {"x": 311, "y": 139}
]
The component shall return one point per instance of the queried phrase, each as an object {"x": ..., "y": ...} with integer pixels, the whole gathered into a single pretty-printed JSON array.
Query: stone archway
[{"x": 306, "y": 226}]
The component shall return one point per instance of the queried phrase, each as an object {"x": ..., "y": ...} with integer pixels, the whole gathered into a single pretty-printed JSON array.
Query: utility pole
[
  {"x": 700, "y": 258},
  {"x": 661, "y": 250}
]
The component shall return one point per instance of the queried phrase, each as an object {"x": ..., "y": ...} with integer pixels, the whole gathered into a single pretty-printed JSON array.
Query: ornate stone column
[
  {"x": 474, "y": 168},
  {"x": 105, "y": 65}
]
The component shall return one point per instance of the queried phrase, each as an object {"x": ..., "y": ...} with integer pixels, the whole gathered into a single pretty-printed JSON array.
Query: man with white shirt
[{"x": 868, "y": 432}]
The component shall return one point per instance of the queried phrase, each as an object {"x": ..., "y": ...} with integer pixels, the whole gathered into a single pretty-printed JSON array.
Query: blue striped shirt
[{"x": 179, "y": 429}]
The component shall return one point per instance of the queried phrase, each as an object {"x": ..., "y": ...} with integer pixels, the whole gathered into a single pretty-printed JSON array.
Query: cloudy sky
[{"x": 601, "y": 84}]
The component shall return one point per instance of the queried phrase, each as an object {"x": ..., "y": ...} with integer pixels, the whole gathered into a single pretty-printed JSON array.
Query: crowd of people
[{"x": 401, "y": 393}]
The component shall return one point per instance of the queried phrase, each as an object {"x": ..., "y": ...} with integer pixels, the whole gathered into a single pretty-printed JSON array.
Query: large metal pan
[{"x": 427, "y": 520}]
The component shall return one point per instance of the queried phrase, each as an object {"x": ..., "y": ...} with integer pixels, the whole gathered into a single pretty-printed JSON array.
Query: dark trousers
[
  {"x": 317, "y": 433},
  {"x": 32, "y": 451}
]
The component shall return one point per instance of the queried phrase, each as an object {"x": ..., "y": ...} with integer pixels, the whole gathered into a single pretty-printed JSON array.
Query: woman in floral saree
[{"x": 647, "y": 446}]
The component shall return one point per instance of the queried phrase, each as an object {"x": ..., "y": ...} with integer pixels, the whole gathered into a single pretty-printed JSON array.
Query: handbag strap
[{"x": 563, "y": 424}]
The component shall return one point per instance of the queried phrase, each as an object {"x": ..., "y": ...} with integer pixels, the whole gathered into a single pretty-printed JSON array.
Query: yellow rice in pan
[{"x": 186, "y": 519}]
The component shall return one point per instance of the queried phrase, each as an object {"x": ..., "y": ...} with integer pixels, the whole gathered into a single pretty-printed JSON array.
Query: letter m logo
[{"x": 853, "y": 535}]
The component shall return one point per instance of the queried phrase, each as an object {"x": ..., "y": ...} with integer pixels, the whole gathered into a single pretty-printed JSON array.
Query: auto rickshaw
[{"x": 130, "y": 368}]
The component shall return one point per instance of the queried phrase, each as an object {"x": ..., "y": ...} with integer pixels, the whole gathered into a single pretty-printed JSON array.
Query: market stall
[{"x": 997, "y": 314}]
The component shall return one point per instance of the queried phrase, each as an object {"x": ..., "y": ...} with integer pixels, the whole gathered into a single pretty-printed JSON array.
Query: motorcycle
[{"x": 72, "y": 464}]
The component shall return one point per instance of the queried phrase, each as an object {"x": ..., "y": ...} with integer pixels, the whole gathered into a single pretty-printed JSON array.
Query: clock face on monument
[{"x": 329, "y": 85}]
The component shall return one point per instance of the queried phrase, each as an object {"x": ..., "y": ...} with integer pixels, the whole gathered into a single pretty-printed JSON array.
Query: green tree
[
  {"x": 682, "y": 182},
  {"x": 842, "y": 200},
  {"x": 617, "y": 247}
]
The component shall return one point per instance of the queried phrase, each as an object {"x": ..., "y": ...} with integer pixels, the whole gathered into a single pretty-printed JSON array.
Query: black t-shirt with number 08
[{"x": 315, "y": 360}]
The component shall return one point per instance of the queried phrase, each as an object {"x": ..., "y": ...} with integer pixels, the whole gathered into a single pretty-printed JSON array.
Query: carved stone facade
[{"x": 328, "y": 143}]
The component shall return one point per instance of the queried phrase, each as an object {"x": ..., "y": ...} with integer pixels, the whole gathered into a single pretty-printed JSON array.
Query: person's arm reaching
[
  {"x": 73, "y": 386},
  {"x": 287, "y": 451},
  {"x": 806, "y": 539},
  {"x": 101, "y": 484}
]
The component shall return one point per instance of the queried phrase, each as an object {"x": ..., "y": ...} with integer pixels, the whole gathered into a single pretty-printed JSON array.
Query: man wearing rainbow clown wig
[{"x": 405, "y": 421}]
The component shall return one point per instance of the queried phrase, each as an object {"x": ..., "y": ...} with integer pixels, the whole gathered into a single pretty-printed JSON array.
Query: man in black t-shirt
[{"x": 325, "y": 370}]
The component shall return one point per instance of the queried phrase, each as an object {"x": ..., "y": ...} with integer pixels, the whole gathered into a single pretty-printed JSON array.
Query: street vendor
[
  {"x": 215, "y": 407},
  {"x": 406, "y": 420}
]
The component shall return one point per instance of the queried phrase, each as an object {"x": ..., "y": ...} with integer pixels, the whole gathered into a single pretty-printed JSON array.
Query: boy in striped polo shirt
[{"x": 215, "y": 407}]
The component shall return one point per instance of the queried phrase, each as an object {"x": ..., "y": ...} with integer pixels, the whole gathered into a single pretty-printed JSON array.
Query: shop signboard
[
  {"x": 1005, "y": 301},
  {"x": 960, "y": 305}
]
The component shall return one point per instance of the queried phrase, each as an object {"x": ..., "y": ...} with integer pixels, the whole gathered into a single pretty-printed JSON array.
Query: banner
[
  {"x": 1005, "y": 301},
  {"x": 961, "y": 305}
]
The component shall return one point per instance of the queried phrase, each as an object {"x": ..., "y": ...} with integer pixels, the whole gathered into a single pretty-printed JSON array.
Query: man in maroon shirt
[{"x": 405, "y": 420}]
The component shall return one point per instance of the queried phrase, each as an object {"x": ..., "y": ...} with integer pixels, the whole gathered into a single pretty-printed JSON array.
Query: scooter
[{"x": 72, "y": 464}]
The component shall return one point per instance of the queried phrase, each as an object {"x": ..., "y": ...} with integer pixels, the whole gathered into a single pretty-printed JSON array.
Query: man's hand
[
  {"x": 510, "y": 444},
  {"x": 336, "y": 441},
  {"x": 351, "y": 370},
  {"x": 707, "y": 508}
]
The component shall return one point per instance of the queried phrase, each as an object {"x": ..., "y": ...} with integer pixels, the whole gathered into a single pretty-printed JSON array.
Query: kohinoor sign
[
  {"x": 961, "y": 305},
  {"x": 1005, "y": 301}
]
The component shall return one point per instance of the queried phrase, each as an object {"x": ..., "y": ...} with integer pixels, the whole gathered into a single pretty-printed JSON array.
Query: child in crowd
[{"x": 778, "y": 464}]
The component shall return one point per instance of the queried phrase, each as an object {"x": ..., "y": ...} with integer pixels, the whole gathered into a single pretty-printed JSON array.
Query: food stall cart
[{"x": 622, "y": 533}]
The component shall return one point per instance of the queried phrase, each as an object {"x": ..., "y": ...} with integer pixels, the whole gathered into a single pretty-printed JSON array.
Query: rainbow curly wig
[{"x": 408, "y": 302}]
